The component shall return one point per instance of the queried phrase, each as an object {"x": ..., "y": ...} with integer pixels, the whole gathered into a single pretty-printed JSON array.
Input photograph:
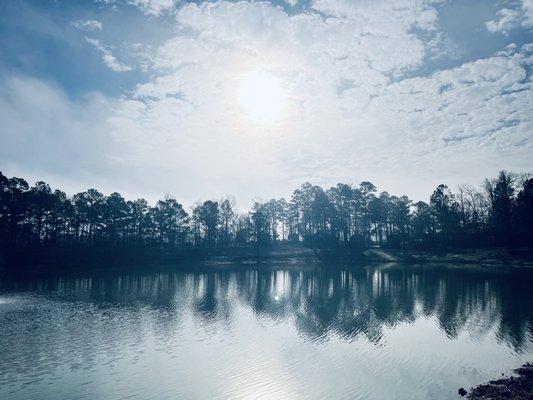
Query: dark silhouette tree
[
  {"x": 443, "y": 206},
  {"x": 170, "y": 221},
  {"x": 226, "y": 220},
  {"x": 501, "y": 195},
  {"x": 260, "y": 226},
  {"x": 206, "y": 216},
  {"x": 524, "y": 213},
  {"x": 342, "y": 216}
]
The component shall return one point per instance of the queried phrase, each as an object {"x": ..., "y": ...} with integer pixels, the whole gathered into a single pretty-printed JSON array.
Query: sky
[{"x": 204, "y": 99}]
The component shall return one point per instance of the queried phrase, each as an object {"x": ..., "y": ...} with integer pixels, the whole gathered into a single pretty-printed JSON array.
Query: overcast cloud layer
[{"x": 147, "y": 101}]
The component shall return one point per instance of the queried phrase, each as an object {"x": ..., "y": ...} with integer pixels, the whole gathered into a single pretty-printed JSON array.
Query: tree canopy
[{"x": 499, "y": 213}]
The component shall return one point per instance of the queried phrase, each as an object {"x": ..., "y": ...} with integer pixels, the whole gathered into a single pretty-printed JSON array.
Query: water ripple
[{"x": 265, "y": 334}]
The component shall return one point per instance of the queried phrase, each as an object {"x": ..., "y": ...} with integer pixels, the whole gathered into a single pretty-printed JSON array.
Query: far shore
[
  {"x": 520, "y": 257},
  {"x": 33, "y": 257}
]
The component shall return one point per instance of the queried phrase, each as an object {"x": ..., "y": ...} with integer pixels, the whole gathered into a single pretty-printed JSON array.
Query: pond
[{"x": 263, "y": 332}]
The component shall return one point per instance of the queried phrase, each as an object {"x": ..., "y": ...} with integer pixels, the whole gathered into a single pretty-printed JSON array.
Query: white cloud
[
  {"x": 46, "y": 133},
  {"x": 113, "y": 64},
  {"x": 478, "y": 114},
  {"x": 509, "y": 19},
  {"x": 352, "y": 113},
  {"x": 527, "y": 7},
  {"x": 88, "y": 25},
  {"x": 108, "y": 58},
  {"x": 153, "y": 7},
  {"x": 356, "y": 107}
]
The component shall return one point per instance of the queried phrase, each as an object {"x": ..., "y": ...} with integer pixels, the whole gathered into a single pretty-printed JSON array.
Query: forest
[{"x": 499, "y": 213}]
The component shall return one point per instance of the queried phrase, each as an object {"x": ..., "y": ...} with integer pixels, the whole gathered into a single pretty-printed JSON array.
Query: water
[{"x": 385, "y": 332}]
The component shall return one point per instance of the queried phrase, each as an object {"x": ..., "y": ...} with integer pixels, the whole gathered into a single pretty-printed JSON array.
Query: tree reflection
[{"x": 322, "y": 302}]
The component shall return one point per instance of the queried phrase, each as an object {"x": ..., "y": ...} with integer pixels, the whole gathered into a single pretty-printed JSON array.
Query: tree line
[{"x": 499, "y": 213}]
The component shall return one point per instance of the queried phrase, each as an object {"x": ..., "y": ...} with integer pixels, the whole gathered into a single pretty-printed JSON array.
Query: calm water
[{"x": 316, "y": 333}]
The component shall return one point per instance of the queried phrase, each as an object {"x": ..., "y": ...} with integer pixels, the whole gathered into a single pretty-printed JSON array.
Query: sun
[{"x": 262, "y": 97}]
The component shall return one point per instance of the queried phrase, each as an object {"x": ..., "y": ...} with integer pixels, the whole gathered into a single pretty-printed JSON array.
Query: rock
[
  {"x": 462, "y": 392},
  {"x": 518, "y": 387}
]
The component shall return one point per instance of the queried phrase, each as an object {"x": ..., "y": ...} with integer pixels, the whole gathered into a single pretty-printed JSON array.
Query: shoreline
[
  {"x": 519, "y": 386},
  {"x": 52, "y": 258},
  {"x": 519, "y": 257}
]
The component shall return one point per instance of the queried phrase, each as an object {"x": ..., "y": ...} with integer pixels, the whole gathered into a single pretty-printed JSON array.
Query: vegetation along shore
[{"x": 347, "y": 222}]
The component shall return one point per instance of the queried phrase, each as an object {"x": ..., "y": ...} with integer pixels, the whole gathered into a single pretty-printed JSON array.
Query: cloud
[
  {"x": 509, "y": 19},
  {"x": 353, "y": 108},
  {"x": 108, "y": 58},
  {"x": 478, "y": 114},
  {"x": 153, "y": 7},
  {"x": 355, "y": 45},
  {"x": 527, "y": 8},
  {"x": 113, "y": 64},
  {"x": 46, "y": 133},
  {"x": 360, "y": 105},
  {"x": 88, "y": 25}
]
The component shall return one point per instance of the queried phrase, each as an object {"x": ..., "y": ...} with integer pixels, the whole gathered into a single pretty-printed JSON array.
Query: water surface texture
[{"x": 263, "y": 333}]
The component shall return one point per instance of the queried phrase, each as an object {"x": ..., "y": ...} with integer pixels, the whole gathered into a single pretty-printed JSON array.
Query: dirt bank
[{"x": 522, "y": 257}]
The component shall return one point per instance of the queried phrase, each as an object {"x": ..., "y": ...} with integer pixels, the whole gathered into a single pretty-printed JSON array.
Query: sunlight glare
[{"x": 262, "y": 97}]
